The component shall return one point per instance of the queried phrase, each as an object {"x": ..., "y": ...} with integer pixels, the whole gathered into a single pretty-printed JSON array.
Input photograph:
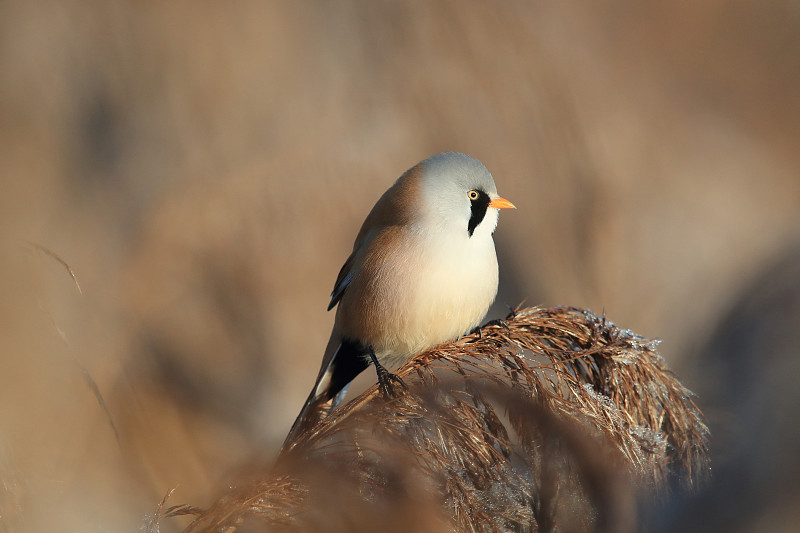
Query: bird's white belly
[{"x": 446, "y": 292}]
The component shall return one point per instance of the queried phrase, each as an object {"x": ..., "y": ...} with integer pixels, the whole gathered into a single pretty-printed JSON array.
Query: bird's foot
[
  {"x": 386, "y": 379},
  {"x": 512, "y": 311},
  {"x": 491, "y": 323},
  {"x": 387, "y": 382}
]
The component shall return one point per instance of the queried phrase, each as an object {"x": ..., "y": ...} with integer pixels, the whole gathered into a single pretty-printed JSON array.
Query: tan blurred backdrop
[{"x": 204, "y": 166}]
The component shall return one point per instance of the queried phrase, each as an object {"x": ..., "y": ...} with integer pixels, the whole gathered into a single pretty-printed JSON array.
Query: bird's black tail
[{"x": 349, "y": 360}]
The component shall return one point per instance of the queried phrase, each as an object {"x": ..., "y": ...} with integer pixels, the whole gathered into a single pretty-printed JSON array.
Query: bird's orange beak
[{"x": 501, "y": 203}]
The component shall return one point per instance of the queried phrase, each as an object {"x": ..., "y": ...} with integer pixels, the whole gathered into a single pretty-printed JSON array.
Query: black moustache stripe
[{"x": 478, "y": 207}]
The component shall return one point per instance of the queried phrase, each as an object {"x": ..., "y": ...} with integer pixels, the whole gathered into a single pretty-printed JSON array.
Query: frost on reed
[{"x": 552, "y": 419}]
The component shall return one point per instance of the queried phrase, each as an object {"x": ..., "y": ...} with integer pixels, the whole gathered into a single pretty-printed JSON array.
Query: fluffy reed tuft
[{"x": 552, "y": 419}]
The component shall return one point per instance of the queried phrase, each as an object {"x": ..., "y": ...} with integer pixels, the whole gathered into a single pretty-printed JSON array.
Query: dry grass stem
[{"x": 51, "y": 254}]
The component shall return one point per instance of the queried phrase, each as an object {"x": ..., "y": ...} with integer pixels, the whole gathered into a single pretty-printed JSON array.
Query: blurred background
[{"x": 203, "y": 168}]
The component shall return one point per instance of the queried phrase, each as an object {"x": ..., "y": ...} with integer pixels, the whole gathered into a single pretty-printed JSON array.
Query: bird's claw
[
  {"x": 387, "y": 382},
  {"x": 499, "y": 322},
  {"x": 512, "y": 312},
  {"x": 495, "y": 322}
]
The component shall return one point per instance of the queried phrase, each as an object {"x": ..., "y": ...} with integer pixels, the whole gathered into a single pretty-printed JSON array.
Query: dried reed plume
[{"x": 552, "y": 419}]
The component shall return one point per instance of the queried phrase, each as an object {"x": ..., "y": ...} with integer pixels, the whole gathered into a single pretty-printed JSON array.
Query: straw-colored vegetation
[{"x": 553, "y": 418}]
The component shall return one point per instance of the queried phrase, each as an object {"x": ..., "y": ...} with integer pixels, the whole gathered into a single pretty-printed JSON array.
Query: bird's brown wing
[{"x": 394, "y": 208}]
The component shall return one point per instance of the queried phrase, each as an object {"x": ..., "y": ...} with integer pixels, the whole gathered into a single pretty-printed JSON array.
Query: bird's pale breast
[{"x": 414, "y": 291}]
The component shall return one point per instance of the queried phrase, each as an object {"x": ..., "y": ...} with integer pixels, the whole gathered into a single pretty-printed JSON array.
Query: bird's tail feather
[
  {"x": 313, "y": 410},
  {"x": 347, "y": 361}
]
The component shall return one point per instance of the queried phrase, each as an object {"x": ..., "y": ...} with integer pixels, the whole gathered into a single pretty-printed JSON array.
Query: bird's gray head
[{"x": 459, "y": 194}]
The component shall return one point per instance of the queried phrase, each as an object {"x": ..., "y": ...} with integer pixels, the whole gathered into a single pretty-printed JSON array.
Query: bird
[{"x": 423, "y": 271}]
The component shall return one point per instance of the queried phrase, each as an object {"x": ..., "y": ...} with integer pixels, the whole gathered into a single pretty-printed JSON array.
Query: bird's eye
[{"x": 473, "y": 195}]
